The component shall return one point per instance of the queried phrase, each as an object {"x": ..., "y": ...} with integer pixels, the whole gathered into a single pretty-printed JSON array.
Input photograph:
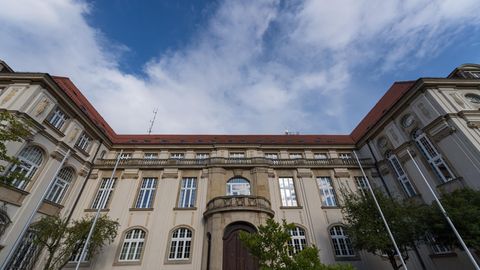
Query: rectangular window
[
  {"x": 438, "y": 248},
  {"x": 402, "y": 176},
  {"x": 146, "y": 193},
  {"x": 83, "y": 142},
  {"x": 57, "y": 118},
  {"x": 126, "y": 156},
  {"x": 177, "y": 155},
  {"x": 237, "y": 155},
  {"x": 150, "y": 156},
  {"x": 287, "y": 191},
  {"x": 271, "y": 155},
  {"x": 345, "y": 155},
  {"x": 188, "y": 192},
  {"x": 361, "y": 184},
  {"x": 26, "y": 253},
  {"x": 202, "y": 156},
  {"x": 326, "y": 191},
  {"x": 434, "y": 158},
  {"x": 320, "y": 156},
  {"x": 104, "y": 193},
  {"x": 295, "y": 155}
]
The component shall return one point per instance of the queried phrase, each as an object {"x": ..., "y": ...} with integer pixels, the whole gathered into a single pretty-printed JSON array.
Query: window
[
  {"x": 146, "y": 194},
  {"x": 84, "y": 141},
  {"x": 126, "y": 156},
  {"x": 30, "y": 159},
  {"x": 60, "y": 185},
  {"x": 320, "y": 156},
  {"x": 287, "y": 191},
  {"x": 439, "y": 165},
  {"x": 474, "y": 75},
  {"x": 298, "y": 241},
  {"x": 27, "y": 252},
  {"x": 237, "y": 155},
  {"x": 180, "y": 244},
  {"x": 202, "y": 156},
  {"x": 150, "y": 156},
  {"x": 341, "y": 243},
  {"x": 401, "y": 175},
  {"x": 362, "y": 184},
  {"x": 437, "y": 247},
  {"x": 295, "y": 155},
  {"x": 271, "y": 155},
  {"x": 345, "y": 155},
  {"x": 57, "y": 118},
  {"x": 132, "y": 246},
  {"x": 104, "y": 192},
  {"x": 177, "y": 155},
  {"x": 326, "y": 191},
  {"x": 77, "y": 253},
  {"x": 188, "y": 192},
  {"x": 238, "y": 186}
]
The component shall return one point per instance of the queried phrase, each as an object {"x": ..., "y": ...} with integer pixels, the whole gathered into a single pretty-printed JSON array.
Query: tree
[
  {"x": 367, "y": 230},
  {"x": 11, "y": 130},
  {"x": 270, "y": 246},
  {"x": 463, "y": 208},
  {"x": 62, "y": 239}
]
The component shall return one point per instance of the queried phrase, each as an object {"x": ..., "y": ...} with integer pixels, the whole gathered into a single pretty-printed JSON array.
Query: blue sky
[{"x": 238, "y": 67}]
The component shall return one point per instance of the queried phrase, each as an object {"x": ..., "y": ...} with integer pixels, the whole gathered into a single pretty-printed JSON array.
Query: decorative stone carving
[
  {"x": 57, "y": 155},
  {"x": 424, "y": 110},
  {"x": 441, "y": 130},
  {"x": 42, "y": 106},
  {"x": 73, "y": 135},
  {"x": 458, "y": 100},
  {"x": 10, "y": 95}
]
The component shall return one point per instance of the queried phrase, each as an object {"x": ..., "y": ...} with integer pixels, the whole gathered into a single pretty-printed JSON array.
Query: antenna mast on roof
[{"x": 152, "y": 121}]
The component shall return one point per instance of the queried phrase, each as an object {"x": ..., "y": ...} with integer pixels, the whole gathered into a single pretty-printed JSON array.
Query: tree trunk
[{"x": 393, "y": 261}]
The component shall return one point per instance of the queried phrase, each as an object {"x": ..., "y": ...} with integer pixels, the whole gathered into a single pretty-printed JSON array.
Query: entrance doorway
[{"x": 235, "y": 254}]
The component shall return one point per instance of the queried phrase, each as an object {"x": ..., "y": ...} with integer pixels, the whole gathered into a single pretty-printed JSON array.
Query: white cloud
[{"x": 257, "y": 66}]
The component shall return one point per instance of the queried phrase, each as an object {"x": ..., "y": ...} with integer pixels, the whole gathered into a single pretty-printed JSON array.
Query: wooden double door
[{"x": 235, "y": 254}]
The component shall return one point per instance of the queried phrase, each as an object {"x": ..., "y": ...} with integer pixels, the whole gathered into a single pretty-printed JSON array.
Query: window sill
[
  {"x": 140, "y": 209},
  {"x": 452, "y": 185},
  {"x": 84, "y": 152},
  {"x": 12, "y": 195},
  {"x": 185, "y": 208},
  {"x": 291, "y": 207},
  {"x": 347, "y": 258},
  {"x": 330, "y": 207},
  {"x": 56, "y": 130},
  {"x": 444, "y": 255},
  {"x": 95, "y": 210},
  {"x": 117, "y": 263},
  {"x": 74, "y": 264},
  {"x": 167, "y": 261}
]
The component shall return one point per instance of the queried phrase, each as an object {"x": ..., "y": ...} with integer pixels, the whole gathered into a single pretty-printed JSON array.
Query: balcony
[
  {"x": 238, "y": 203},
  {"x": 234, "y": 162}
]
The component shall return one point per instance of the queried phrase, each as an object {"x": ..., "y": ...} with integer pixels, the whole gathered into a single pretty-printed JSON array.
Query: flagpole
[
  {"x": 381, "y": 213},
  {"x": 103, "y": 197},
  {"x": 34, "y": 212},
  {"x": 445, "y": 214}
]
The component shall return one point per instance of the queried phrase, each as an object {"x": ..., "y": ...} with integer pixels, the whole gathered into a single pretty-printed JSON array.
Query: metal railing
[{"x": 238, "y": 203}]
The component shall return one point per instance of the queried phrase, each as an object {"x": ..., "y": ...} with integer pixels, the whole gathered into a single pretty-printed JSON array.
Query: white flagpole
[
  {"x": 103, "y": 197},
  {"x": 34, "y": 212},
  {"x": 445, "y": 214},
  {"x": 381, "y": 213}
]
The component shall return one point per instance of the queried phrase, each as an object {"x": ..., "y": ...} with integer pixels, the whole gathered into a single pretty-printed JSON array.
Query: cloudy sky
[{"x": 236, "y": 67}]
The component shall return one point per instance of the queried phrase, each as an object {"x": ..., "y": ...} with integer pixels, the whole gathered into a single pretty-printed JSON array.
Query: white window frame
[
  {"x": 177, "y": 155},
  {"x": 188, "y": 193},
  {"x": 436, "y": 247},
  {"x": 342, "y": 246},
  {"x": 345, "y": 155},
  {"x": 150, "y": 156},
  {"x": 362, "y": 184},
  {"x": 125, "y": 155},
  {"x": 237, "y": 155},
  {"x": 298, "y": 240},
  {"x": 288, "y": 194},
  {"x": 57, "y": 118},
  {"x": 146, "y": 193},
  {"x": 132, "y": 246},
  {"x": 295, "y": 155},
  {"x": 104, "y": 192},
  {"x": 26, "y": 253},
  {"x": 433, "y": 157},
  {"x": 327, "y": 191},
  {"x": 401, "y": 175},
  {"x": 83, "y": 141},
  {"x": 238, "y": 186},
  {"x": 180, "y": 244},
  {"x": 321, "y": 156},
  {"x": 202, "y": 155},
  {"x": 271, "y": 155},
  {"x": 30, "y": 159},
  {"x": 60, "y": 185}
]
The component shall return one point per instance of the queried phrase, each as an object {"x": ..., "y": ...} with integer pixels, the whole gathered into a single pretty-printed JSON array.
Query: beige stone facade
[{"x": 183, "y": 198}]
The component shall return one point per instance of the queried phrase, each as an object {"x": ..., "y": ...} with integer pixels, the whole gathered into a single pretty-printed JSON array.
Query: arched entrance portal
[{"x": 235, "y": 254}]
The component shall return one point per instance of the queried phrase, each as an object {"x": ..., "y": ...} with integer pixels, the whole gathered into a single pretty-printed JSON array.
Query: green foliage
[
  {"x": 367, "y": 230},
  {"x": 61, "y": 239},
  {"x": 270, "y": 247},
  {"x": 463, "y": 208},
  {"x": 11, "y": 130}
]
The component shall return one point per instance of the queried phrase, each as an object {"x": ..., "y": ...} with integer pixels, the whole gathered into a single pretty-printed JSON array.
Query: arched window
[
  {"x": 238, "y": 186},
  {"x": 60, "y": 186},
  {"x": 30, "y": 159},
  {"x": 433, "y": 156},
  {"x": 180, "y": 244},
  {"x": 132, "y": 246},
  {"x": 341, "y": 242},
  {"x": 298, "y": 241}
]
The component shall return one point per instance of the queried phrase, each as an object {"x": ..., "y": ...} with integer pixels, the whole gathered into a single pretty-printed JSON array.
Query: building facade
[{"x": 181, "y": 200}]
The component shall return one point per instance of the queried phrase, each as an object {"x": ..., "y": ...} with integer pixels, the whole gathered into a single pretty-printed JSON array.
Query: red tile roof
[{"x": 396, "y": 91}]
